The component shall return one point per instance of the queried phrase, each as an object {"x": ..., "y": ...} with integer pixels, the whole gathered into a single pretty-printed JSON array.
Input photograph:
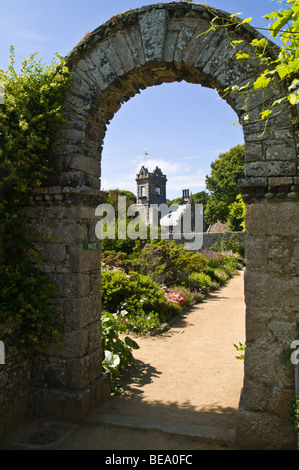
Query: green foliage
[
  {"x": 125, "y": 245},
  {"x": 202, "y": 281},
  {"x": 285, "y": 26},
  {"x": 138, "y": 304},
  {"x": 280, "y": 65},
  {"x": 112, "y": 242},
  {"x": 115, "y": 260},
  {"x": 191, "y": 295},
  {"x": 294, "y": 413},
  {"x": 221, "y": 275},
  {"x": 117, "y": 352},
  {"x": 228, "y": 261},
  {"x": 199, "y": 198},
  {"x": 223, "y": 184},
  {"x": 163, "y": 261},
  {"x": 240, "y": 347},
  {"x": 236, "y": 215},
  {"x": 232, "y": 244},
  {"x": 29, "y": 118},
  {"x": 137, "y": 297},
  {"x": 112, "y": 198}
]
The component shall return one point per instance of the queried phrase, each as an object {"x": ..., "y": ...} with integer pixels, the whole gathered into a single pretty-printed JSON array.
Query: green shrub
[
  {"x": 139, "y": 296},
  {"x": 115, "y": 260},
  {"x": 221, "y": 275},
  {"x": 163, "y": 261},
  {"x": 194, "y": 262},
  {"x": 142, "y": 323},
  {"x": 202, "y": 281},
  {"x": 192, "y": 296},
  {"x": 144, "y": 301},
  {"x": 117, "y": 352},
  {"x": 232, "y": 244}
]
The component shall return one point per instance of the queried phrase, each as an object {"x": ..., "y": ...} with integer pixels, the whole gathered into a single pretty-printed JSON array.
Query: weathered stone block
[
  {"x": 263, "y": 431},
  {"x": 280, "y": 181},
  {"x": 256, "y": 396},
  {"x": 280, "y": 152},
  {"x": 170, "y": 46},
  {"x": 134, "y": 41},
  {"x": 259, "y": 285},
  {"x": 112, "y": 56},
  {"x": 80, "y": 312},
  {"x": 256, "y": 251},
  {"x": 66, "y": 232},
  {"x": 184, "y": 37},
  {"x": 53, "y": 252},
  {"x": 273, "y": 218},
  {"x": 71, "y": 405},
  {"x": 153, "y": 31},
  {"x": 101, "y": 62},
  {"x": 83, "y": 260},
  {"x": 80, "y": 372},
  {"x": 84, "y": 164},
  {"x": 270, "y": 168},
  {"x": 253, "y": 152},
  {"x": 211, "y": 41},
  {"x": 72, "y": 285},
  {"x": 122, "y": 50},
  {"x": 78, "y": 343},
  {"x": 98, "y": 77}
]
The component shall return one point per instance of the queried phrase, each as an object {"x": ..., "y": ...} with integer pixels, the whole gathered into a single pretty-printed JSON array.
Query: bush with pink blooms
[{"x": 160, "y": 279}]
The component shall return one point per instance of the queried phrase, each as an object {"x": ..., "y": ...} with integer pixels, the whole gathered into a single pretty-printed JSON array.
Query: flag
[{"x": 146, "y": 154}]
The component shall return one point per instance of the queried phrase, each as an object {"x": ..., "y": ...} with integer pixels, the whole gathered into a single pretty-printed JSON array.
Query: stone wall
[
  {"x": 210, "y": 238},
  {"x": 68, "y": 379},
  {"x": 272, "y": 299},
  {"x": 16, "y": 396}
]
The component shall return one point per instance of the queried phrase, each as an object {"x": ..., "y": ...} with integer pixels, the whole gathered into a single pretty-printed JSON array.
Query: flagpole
[{"x": 145, "y": 155}]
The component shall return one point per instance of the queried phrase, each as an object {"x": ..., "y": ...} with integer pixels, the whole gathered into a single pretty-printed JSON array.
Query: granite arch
[{"x": 145, "y": 47}]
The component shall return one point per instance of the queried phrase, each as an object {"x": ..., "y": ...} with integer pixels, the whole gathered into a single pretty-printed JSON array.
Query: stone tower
[{"x": 151, "y": 187}]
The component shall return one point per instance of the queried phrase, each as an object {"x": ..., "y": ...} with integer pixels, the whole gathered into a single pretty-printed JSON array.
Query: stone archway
[{"x": 141, "y": 48}]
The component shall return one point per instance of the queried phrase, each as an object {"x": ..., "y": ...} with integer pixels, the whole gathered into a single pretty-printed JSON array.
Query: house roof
[{"x": 218, "y": 227}]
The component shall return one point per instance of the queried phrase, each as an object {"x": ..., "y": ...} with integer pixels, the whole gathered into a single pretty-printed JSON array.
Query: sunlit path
[{"x": 188, "y": 375}]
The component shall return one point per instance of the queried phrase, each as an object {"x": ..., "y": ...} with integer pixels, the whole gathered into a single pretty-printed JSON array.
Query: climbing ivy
[
  {"x": 29, "y": 119},
  {"x": 280, "y": 64}
]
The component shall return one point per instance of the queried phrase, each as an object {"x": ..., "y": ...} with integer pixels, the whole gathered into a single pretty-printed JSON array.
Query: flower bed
[{"x": 143, "y": 291}]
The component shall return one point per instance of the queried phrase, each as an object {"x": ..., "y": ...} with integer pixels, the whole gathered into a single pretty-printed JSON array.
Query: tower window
[
  {"x": 142, "y": 190},
  {"x": 158, "y": 191}
]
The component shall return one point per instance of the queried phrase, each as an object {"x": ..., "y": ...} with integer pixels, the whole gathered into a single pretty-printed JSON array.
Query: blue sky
[{"x": 183, "y": 127}]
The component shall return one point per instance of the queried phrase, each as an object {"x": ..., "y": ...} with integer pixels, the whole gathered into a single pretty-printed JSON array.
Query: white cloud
[
  {"x": 193, "y": 181},
  {"x": 168, "y": 168},
  {"x": 179, "y": 176},
  {"x": 126, "y": 182}
]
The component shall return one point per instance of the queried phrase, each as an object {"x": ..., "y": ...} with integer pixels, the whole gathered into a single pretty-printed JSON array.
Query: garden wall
[
  {"x": 210, "y": 238},
  {"x": 16, "y": 397}
]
